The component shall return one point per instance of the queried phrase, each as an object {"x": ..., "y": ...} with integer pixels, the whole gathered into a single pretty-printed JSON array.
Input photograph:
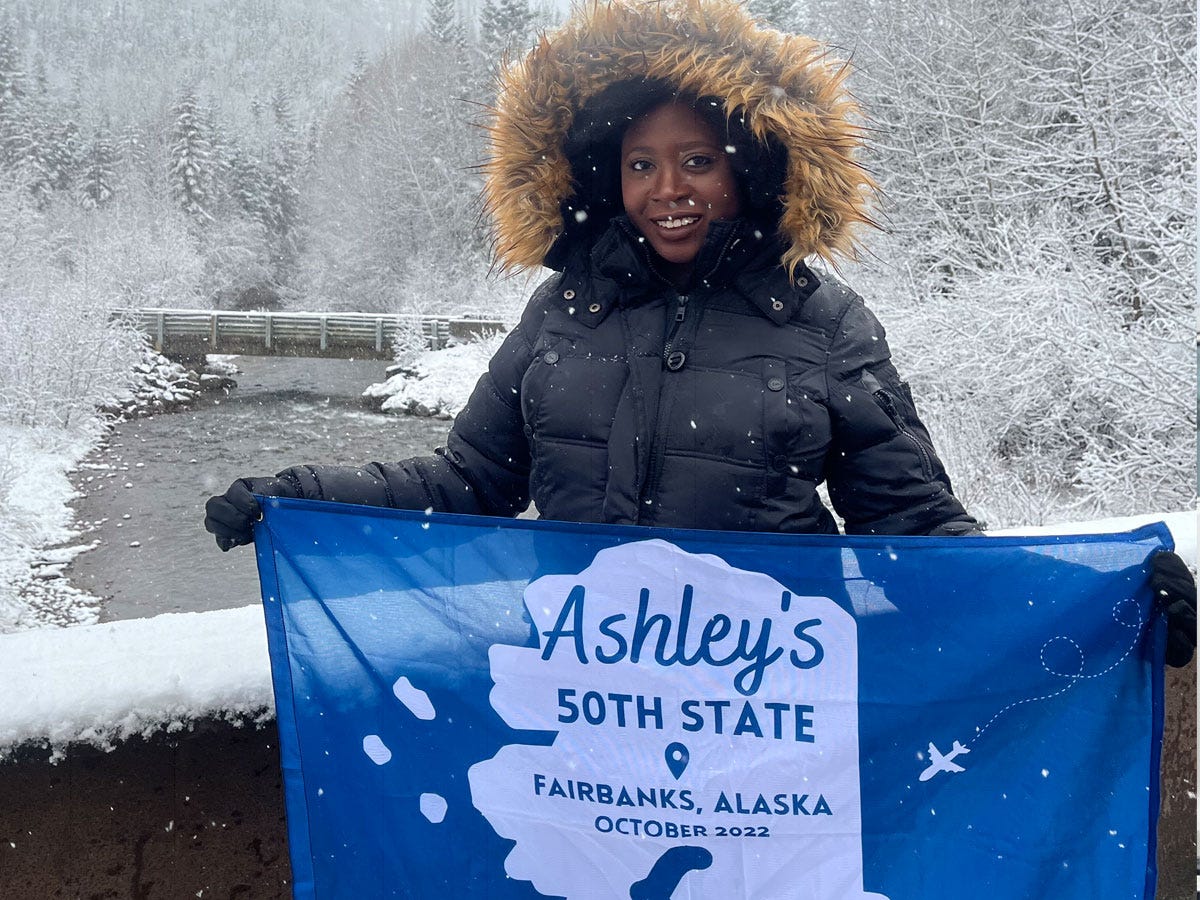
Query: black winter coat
[{"x": 722, "y": 406}]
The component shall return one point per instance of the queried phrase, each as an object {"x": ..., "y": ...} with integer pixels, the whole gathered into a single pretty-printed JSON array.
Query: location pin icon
[{"x": 677, "y": 758}]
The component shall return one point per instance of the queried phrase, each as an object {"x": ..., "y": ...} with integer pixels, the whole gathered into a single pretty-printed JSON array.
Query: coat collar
[
  {"x": 768, "y": 288},
  {"x": 619, "y": 270}
]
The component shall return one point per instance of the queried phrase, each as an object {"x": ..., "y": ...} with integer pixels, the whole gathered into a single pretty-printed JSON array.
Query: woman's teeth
[{"x": 676, "y": 223}]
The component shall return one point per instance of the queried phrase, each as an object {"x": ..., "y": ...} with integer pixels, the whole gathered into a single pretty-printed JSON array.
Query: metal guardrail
[{"x": 193, "y": 332}]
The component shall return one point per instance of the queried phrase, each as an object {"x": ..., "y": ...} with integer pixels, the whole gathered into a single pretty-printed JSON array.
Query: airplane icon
[{"x": 941, "y": 762}]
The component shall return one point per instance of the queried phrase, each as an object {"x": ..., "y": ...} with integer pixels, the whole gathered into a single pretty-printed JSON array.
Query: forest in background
[{"x": 1037, "y": 274}]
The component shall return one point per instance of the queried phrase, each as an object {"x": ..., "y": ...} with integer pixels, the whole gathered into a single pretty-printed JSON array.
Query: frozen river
[{"x": 143, "y": 494}]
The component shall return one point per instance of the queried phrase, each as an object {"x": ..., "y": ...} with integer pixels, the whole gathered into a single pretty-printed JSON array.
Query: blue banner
[{"x": 475, "y": 707}]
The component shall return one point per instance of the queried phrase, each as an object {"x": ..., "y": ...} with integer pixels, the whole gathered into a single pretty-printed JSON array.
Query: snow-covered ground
[
  {"x": 436, "y": 384},
  {"x": 34, "y": 493},
  {"x": 100, "y": 683}
]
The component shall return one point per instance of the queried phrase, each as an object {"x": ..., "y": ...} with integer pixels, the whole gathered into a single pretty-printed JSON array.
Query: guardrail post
[
  {"x": 215, "y": 330},
  {"x": 379, "y": 335},
  {"x": 268, "y": 329},
  {"x": 323, "y": 333},
  {"x": 161, "y": 329}
]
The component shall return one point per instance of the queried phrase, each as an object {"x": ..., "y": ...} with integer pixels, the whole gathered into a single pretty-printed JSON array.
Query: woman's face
[{"x": 675, "y": 180}]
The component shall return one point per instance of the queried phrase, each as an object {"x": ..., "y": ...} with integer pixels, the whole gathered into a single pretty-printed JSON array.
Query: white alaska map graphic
[{"x": 627, "y": 801}]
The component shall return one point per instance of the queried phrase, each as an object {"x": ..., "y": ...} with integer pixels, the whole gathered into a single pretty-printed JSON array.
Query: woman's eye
[
  {"x": 699, "y": 161},
  {"x": 640, "y": 165}
]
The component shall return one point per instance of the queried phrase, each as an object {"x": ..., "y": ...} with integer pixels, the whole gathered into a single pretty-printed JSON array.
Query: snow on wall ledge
[{"x": 99, "y": 684}]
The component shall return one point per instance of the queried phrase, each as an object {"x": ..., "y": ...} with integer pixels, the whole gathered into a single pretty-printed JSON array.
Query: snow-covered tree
[
  {"x": 505, "y": 26},
  {"x": 247, "y": 184},
  {"x": 1117, "y": 142},
  {"x": 191, "y": 162},
  {"x": 443, "y": 25},
  {"x": 99, "y": 177},
  {"x": 394, "y": 195},
  {"x": 1039, "y": 167},
  {"x": 61, "y": 150},
  {"x": 16, "y": 138}
]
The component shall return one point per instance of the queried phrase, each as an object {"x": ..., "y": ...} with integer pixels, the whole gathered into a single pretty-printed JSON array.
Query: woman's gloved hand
[
  {"x": 1175, "y": 592},
  {"x": 230, "y": 517}
]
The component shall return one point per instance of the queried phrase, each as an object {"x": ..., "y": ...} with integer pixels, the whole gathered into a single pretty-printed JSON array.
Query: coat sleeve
[
  {"x": 883, "y": 472},
  {"x": 484, "y": 467}
]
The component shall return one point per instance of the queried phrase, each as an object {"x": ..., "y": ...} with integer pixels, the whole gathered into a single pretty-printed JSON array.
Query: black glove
[
  {"x": 1175, "y": 592},
  {"x": 231, "y": 516}
]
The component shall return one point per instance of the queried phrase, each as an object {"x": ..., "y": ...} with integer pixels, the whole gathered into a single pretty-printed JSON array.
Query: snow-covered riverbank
[
  {"x": 40, "y": 535},
  {"x": 436, "y": 384}
]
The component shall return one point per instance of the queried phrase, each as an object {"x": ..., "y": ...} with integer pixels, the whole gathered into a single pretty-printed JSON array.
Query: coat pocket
[{"x": 895, "y": 409}]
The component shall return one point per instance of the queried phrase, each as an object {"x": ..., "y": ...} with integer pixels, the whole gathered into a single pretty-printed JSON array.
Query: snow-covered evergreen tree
[
  {"x": 133, "y": 154},
  {"x": 283, "y": 183},
  {"x": 62, "y": 152},
  {"x": 191, "y": 159},
  {"x": 247, "y": 184},
  {"x": 16, "y": 137},
  {"x": 505, "y": 26},
  {"x": 443, "y": 25},
  {"x": 99, "y": 178}
]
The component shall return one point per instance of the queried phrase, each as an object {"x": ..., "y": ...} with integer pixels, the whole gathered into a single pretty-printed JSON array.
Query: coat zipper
[
  {"x": 680, "y": 315},
  {"x": 649, "y": 489},
  {"x": 889, "y": 406},
  {"x": 657, "y": 443}
]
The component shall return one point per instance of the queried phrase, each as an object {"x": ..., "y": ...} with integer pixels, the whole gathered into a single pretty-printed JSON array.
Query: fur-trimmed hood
[{"x": 782, "y": 89}]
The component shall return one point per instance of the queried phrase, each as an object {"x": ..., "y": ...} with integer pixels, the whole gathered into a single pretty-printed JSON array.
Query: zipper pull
[
  {"x": 681, "y": 311},
  {"x": 884, "y": 399}
]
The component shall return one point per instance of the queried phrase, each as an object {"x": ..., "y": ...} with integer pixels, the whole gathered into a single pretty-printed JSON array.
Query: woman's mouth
[{"x": 672, "y": 222}]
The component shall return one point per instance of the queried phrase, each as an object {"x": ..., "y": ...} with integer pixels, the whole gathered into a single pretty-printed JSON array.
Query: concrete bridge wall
[{"x": 196, "y": 814}]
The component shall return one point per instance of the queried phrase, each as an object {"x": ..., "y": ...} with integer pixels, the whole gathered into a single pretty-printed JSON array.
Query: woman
[{"x": 676, "y": 165}]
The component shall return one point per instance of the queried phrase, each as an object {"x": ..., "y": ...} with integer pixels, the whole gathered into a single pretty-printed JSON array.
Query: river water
[{"x": 143, "y": 493}]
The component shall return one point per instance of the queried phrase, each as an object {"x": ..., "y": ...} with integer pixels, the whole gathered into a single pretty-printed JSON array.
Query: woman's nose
[{"x": 671, "y": 185}]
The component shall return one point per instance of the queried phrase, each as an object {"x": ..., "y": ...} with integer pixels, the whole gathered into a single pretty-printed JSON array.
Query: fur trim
[{"x": 784, "y": 85}]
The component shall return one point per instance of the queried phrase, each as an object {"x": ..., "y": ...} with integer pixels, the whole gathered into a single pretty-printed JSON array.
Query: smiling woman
[{"x": 676, "y": 163}]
